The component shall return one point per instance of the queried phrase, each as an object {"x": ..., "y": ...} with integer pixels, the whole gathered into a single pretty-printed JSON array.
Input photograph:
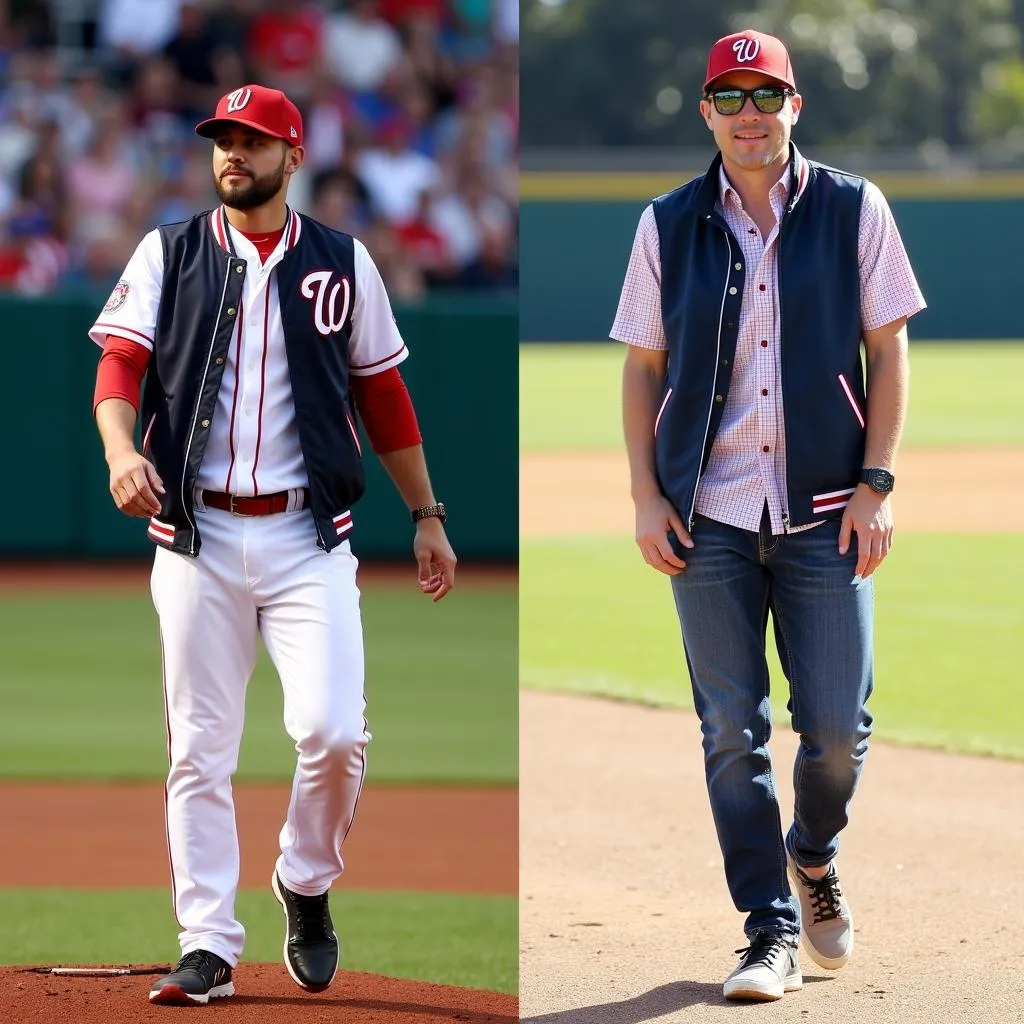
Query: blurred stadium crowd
[{"x": 410, "y": 110}]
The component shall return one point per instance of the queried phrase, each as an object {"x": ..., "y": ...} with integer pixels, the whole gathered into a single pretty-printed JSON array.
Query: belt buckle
[{"x": 234, "y": 511}]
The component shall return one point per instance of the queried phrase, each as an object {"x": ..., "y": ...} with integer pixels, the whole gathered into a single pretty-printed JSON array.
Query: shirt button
[
  {"x": 206, "y": 423},
  {"x": 766, "y": 449},
  {"x": 248, "y": 412},
  {"x": 762, "y": 287},
  {"x": 764, "y": 391},
  {"x": 252, "y": 366},
  {"x": 732, "y": 291},
  {"x": 764, "y": 344},
  {"x": 252, "y": 323},
  {"x": 232, "y": 310}
]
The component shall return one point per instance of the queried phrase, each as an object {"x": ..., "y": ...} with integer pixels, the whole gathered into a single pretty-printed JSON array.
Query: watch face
[{"x": 881, "y": 480}]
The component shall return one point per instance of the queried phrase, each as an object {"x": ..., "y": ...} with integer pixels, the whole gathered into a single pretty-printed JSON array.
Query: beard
[{"x": 249, "y": 193}]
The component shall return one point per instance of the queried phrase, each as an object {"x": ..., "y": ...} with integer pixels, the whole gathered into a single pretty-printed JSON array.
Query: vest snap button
[
  {"x": 239, "y": 269},
  {"x": 206, "y": 423},
  {"x": 739, "y": 266},
  {"x": 719, "y": 399},
  {"x": 732, "y": 291},
  {"x": 232, "y": 311},
  {"x": 219, "y": 360}
]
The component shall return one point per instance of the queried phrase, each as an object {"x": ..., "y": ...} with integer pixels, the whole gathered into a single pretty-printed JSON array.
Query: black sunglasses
[{"x": 769, "y": 99}]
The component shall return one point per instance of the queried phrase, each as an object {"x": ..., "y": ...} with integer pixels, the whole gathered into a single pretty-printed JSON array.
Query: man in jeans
[{"x": 761, "y": 470}]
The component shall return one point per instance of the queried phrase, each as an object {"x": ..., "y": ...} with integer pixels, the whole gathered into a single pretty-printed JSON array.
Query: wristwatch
[
  {"x": 879, "y": 480},
  {"x": 437, "y": 511}
]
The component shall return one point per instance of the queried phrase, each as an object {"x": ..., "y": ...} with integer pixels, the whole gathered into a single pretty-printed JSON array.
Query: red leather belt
[{"x": 263, "y": 505}]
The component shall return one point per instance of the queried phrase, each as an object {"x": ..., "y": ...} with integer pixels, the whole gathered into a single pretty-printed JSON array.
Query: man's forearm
[
  {"x": 887, "y": 396},
  {"x": 115, "y": 419},
  {"x": 641, "y": 391},
  {"x": 407, "y": 468}
]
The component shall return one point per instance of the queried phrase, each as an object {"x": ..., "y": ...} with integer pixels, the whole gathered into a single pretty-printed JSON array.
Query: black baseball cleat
[
  {"x": 310, "y": 945},
  {"x": 198, "y": 978}
]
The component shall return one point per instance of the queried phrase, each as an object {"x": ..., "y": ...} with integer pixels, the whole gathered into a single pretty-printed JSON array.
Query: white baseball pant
[{"x": 255, "y": 576}]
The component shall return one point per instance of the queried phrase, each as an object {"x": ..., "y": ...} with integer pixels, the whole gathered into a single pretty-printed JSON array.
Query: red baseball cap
[
  {"x": 750, "y": 51},
  {"x": 265, "y": 110}
]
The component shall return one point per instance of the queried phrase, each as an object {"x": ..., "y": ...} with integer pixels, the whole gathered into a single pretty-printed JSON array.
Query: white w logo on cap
[
  {"x": 745, "y": 49},
  {"x": 238, "y": 100}
]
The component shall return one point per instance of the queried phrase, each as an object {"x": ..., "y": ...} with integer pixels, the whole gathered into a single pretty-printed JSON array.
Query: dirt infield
[
  {"x": 465, "y": 839},
  {"x": 624, "y": 912},
  {"x": 266, "y": 995},
  {"x": 936, "y": 491}
]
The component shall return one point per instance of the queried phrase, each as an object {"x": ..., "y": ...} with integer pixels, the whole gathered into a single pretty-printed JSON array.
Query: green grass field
[
  {"x": 948, "y": 627},
  {"x": 452, "y": 940},
  {"x": 81, "y": 689},
  {"x": 86, "y": 700},
  {"x": 950, "y": 608},
  {"x": 961, "y": 395}
]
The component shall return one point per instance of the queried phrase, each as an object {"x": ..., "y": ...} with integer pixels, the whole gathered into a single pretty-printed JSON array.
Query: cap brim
[
  {"x": 746, "y": 67},
  {"x": 213, "y": 126}
]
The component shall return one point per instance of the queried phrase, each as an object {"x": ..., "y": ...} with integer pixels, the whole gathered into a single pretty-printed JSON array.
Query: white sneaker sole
[
  {"x": 752, "y": 992},
  {"x": 174, "y": 995}
]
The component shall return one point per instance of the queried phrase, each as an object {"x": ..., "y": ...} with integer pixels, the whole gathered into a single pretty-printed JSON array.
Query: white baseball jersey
[{"x": 253, "y": 447}]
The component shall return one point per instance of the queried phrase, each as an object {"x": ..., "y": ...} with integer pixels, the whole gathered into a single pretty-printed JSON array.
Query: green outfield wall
[
  {"x": 462, "y": 373},
  {"x": 576, "y": 233}
]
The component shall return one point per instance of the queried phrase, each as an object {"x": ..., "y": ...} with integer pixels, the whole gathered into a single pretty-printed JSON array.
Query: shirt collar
[
  {"x": 779, "y": 192},
  {"x": 226, "y": 236}
]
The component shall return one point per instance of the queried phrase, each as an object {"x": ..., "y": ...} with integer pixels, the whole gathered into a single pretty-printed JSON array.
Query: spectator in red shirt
[
  {"x": 285, "y": 42},
  {"x": 424, "y": 244}
]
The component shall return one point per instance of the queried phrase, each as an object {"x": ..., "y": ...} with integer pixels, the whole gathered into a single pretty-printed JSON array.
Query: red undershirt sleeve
[
  {"x": 121, "y": 369},
  {"x": 386, "y": 409}
]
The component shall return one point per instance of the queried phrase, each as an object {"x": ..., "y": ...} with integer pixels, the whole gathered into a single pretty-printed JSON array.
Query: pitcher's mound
[{"x": 265, "y": 995}]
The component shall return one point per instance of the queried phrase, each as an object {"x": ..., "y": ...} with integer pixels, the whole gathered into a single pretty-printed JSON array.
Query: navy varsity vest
[
  {"x": 703, "y": 273},
  {"x": 199, "y": 301}
]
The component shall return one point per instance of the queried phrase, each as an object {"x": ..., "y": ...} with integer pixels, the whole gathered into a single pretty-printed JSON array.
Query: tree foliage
[{"x": 931, "y": 74}]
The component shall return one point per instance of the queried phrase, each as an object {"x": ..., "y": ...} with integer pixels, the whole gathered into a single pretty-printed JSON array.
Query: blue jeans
[{"x": 822, "y": 622}]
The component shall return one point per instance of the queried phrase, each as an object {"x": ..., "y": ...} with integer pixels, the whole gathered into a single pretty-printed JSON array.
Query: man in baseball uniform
[
  {"x": 761, "y": 471},
  {"x": 260, "y": 333}
]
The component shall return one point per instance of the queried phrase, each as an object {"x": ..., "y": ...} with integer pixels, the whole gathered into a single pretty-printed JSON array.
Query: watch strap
[{"x": 437, "y": 510}]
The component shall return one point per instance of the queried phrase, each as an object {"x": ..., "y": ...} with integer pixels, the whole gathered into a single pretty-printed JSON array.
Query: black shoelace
[
  {"x": 826, "y": 896},
  {"x": 194, "y": 961},
  {"x": 314, "y": 921},
  {"x": 762, "y": 949}
]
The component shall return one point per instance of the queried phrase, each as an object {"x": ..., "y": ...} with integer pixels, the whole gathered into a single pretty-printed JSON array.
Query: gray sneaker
[
  {"x": 769, "y": 969},
  {"x": 826, "y": 923}
]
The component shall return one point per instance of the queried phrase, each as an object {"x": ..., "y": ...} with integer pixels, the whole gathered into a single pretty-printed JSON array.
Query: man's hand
[
  {"x": 655, "y": 516},
  {"x": 434, "y": 558},
  {"x": 869, "y": 515},
  {"x": 135, "y": 484}
]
